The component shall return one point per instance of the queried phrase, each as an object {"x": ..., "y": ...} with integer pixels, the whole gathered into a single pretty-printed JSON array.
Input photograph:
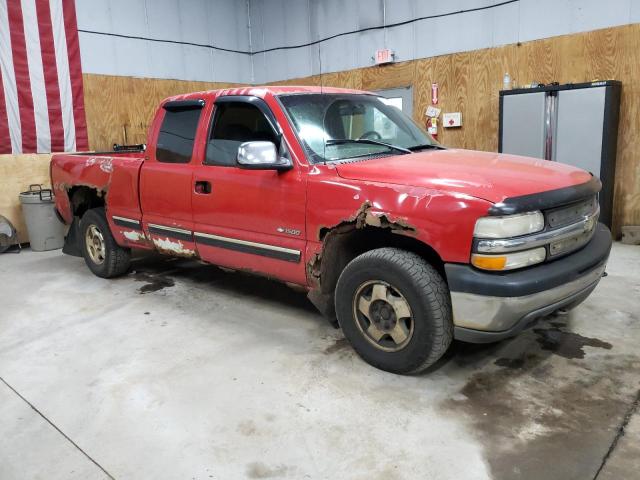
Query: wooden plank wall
[
  {"x": 120, "y": 109},
  {"x": 469, "y": 82},
  {"x": 17, "y": 172}
]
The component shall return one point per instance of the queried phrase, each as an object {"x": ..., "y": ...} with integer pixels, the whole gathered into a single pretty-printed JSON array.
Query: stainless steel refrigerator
[{"x": 576, "y": 124}]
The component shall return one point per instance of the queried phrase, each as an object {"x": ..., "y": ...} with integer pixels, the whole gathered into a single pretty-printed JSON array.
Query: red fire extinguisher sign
[{"x": 434, "y": 93}]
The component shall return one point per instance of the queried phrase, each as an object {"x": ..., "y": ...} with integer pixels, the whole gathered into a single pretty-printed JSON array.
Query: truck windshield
[{"x": 339, "y": 126}]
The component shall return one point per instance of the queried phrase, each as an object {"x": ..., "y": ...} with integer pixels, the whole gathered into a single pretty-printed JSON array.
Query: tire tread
[
  {"x": 118, "y": 259},
  {"x": 431, "y": 286}
]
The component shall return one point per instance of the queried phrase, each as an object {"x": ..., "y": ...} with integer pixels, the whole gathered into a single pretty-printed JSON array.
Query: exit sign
[{"x": 383, "y": 56}]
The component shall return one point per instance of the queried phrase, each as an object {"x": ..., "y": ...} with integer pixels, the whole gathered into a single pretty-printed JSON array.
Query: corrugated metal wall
[
  {"x": 285, "y": 22},
  {"x": 277, "y": 23},
  {"x": 219, "y": 22}
]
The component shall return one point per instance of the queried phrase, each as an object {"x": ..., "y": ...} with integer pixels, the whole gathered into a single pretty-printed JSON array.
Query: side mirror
[{"x": 261, "y": 156}]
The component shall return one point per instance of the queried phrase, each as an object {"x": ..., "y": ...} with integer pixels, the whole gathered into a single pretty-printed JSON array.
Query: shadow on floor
[
  {"x": 549, "y": 336},
  {"x": 159, "y": 272}
]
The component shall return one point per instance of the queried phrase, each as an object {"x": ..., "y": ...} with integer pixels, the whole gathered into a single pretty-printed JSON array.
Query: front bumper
[{"x": 489, "y": 307}]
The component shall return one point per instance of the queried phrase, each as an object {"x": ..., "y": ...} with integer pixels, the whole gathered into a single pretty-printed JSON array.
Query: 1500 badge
[{"x": 289, "y": 231}]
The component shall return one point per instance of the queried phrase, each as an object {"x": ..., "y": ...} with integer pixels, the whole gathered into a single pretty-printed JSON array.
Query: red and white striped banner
[{"x": 41, "y": 99}]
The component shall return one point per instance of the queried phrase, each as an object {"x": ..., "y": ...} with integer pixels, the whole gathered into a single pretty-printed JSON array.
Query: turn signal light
[
  {"x": 509, "y": 261},
  {"x": 486, "y": 262}
]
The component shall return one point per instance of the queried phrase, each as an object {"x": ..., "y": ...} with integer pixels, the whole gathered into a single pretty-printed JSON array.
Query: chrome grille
[
  {"x": 584, "y": 213},
  {"x": 559, "y": 240},
  {"x": 559, "y": 217},
  {"x": 570, "y": 244}
]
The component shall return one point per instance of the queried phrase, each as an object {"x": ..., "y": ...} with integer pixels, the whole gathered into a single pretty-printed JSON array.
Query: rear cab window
[{"x": 178, "y": 131}]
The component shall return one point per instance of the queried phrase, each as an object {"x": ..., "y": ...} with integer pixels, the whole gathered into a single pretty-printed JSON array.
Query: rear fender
[
  {"x": 113, "y": 179},
  {"x": 69, "y": 171}
]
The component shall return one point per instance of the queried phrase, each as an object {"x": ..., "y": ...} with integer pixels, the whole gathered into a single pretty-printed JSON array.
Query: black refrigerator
[{"x": 576, "y": 124}]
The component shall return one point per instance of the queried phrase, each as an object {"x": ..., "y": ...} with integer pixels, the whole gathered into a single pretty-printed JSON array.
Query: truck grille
[
  {"x": 567, "y": 229},
  {"x": 570, "y": 244},
  {"x": 559, "y": 217},
  {"x": 579, "y": 212}
]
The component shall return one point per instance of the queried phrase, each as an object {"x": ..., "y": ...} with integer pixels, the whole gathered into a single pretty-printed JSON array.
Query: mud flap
[
  {"x": 72, "y": 245},
  {"x": 325, "y": 304}
]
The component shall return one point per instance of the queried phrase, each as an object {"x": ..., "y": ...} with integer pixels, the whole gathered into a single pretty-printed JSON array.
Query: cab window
[
  {"x": 177, "y": 134},
  {"x": 233, "y": 124}
]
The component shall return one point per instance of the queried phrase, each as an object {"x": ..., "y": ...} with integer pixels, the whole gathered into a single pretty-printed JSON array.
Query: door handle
[{"x": 203, "y": 187}]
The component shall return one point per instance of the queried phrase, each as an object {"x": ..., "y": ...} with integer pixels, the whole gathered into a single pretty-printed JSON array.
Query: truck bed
[{"x": 113, "y": 175}]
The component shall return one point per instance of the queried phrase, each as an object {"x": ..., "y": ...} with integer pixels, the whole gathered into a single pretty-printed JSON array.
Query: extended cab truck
[{"x": 406, "y": 243}]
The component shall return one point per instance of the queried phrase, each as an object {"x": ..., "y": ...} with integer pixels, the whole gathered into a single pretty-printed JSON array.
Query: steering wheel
[{"x": 370, "y": 135}]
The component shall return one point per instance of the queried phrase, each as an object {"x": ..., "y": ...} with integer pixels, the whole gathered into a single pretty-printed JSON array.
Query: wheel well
[
  {"x": 83, "y": 198},
  {"x": 342, "y": 247}
]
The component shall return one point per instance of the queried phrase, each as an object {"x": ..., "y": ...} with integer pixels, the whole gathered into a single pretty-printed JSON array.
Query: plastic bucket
[{"x": 46, "y": 231}]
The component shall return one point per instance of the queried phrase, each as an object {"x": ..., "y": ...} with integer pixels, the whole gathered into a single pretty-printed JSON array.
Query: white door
[{"x": 402, "y": 98}]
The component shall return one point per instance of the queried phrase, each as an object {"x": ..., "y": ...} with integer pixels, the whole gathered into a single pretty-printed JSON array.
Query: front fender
[{"x": 442, "y": 220}]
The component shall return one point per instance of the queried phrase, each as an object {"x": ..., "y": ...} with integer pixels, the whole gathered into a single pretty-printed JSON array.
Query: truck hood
[{"x": 490, "y": 176}]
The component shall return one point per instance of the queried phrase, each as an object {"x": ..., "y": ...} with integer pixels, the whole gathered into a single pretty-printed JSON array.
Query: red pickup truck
[{"x": 405, "y": 243}]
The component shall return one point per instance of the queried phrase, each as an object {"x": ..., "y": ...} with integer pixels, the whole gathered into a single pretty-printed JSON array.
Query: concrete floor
[{"x": 180, "y": 370}]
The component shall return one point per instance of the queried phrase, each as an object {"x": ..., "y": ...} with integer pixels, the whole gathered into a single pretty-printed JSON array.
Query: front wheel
[
  {"x": 395, "y": 310},
  {"x": 104, "y": 257}
]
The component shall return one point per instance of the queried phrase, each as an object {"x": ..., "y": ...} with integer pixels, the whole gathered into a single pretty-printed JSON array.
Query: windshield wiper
[
  {"x": 425, "y": 146},
  {"x": 341, "y": 141}
]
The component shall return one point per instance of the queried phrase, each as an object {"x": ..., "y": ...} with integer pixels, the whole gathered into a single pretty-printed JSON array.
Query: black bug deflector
[{"x": 546, "y": 200}]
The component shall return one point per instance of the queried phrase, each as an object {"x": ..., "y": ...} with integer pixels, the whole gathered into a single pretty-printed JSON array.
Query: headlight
[
  {"x": 509, "y": 261},
  {"x": 509, "y": 225}
]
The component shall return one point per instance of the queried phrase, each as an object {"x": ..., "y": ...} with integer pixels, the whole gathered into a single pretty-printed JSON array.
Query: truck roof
[{"x": 262, "y": 91}]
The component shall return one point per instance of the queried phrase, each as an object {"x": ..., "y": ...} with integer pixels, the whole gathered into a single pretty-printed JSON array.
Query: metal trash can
[{"x": 46, "y": 231}]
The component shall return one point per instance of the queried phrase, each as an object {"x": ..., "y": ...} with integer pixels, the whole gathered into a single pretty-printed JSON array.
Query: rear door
[
  {"x": 166, "y": 179},
  {"x": 248, "y": 219}
]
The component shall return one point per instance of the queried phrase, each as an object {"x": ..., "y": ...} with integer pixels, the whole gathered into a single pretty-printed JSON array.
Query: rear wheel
[
  {"x": 102, "y": 254},
  {"x": 395, "y": 310}
]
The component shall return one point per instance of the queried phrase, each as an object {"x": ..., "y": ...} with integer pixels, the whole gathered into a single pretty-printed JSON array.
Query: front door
[{"x": 248, "y": 219}]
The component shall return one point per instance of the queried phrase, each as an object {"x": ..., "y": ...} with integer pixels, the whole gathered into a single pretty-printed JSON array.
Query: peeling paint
[
  {"x": 363, "y": 217},
  {"x": 134, "y": 236},
  {"x": 105, "y": 163},
  {"x": 313, "y": 267},
  {"x": 170, "y": 247}
]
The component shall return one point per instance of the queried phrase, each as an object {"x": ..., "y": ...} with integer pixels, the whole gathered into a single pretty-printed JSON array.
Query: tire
[
  {"x": 105, "y": 258},
  {"x": 410, "y": 282}
]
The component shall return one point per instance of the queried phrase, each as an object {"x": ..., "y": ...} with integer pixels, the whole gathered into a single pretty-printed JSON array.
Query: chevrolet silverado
[{"x": 402, "y": 242}]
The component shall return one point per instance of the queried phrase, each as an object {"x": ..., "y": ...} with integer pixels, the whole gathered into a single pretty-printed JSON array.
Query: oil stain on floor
[
  {"x": 153, "y": 283},
  {"x": 566, "y": 344},
  {"x": 540, "y": 406}
]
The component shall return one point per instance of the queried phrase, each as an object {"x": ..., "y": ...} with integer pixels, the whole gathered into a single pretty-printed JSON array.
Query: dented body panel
[
  {"x": 406, "y": 210},
  {"x": 102, "y": 173},
  {"x": 114, "y": 176}
]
